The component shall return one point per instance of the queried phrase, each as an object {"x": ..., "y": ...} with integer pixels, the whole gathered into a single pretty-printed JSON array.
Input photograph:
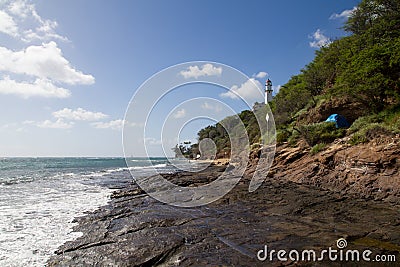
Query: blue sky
[{"x": 69, "y": 68}]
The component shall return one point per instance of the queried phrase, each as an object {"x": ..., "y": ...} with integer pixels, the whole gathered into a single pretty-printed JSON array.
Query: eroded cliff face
[{"x": 370, "y": 170}]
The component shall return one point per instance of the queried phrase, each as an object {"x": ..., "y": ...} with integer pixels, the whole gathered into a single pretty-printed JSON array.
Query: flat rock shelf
[{"x": 136, "y": 230}]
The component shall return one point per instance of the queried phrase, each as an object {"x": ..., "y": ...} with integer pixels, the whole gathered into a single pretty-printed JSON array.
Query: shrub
[
  {"x": 369, "y": 127},
  {"x": 388, "y": 119},
  {"x": 323, "y": 132},
  {"x": 357, "y": 138},
  {"x": 292, "y": 140},
  {"x": 368, "y": 133},
  {"x": 363, "y": 122},
  {"x": 282, "y": 136},
  {"x": 317, "y": 148}
]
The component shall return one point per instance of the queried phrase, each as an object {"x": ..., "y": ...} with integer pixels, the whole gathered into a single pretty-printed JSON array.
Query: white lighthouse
[{"x": 268, "y": 91}]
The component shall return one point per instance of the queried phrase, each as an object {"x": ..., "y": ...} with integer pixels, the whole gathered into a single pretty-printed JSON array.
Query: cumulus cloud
[
  {"x": 320, "y": 40},
  {"x": 205, "y": 70},
  {"x": 65, "y": 119},
  {"x": 208, "y": 106},
  {"x": 344, "y": 15},
  {"x": 114, "y": 125},
  {"x": 40, "y": 87},
  {"x": 78, "y": 115},
  {"x": 260, "y": 75},
  {"x": 250, "y": 90},
  {"x": 43, "y": 61},
  {"x": 32, "y": 25},
  {"x": 38, "y": 67},
  {"x": 7, "y": 24},
  {"x": 180, "y": 114},
  {"x": 58, "y": 124},
  {"x": 21, "y": 8}
]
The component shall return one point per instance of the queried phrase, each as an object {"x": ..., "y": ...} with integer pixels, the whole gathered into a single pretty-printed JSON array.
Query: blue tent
[{"x": 339, "y": 121}]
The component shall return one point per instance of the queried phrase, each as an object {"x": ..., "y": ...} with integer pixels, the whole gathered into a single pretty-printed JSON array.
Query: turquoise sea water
[{"x": 39, "y": 197}]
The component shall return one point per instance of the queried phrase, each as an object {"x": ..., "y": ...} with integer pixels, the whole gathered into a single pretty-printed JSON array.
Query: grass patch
[
  {"x": 368, "y": 127},
  {"x": 317, "y": 148},
  {"x": 368, "y": 133},
  {"x": 357, "y": 138}
]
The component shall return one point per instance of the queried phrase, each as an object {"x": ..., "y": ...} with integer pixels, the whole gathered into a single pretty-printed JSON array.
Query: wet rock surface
[{"x": 136, "y": 230}]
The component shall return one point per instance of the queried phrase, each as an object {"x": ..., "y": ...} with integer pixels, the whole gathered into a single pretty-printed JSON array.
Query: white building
[{"x": 268, "y": 91}]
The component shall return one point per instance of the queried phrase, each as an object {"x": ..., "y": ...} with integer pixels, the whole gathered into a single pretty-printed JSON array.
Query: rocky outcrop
[{"x": 369, "y": 170}]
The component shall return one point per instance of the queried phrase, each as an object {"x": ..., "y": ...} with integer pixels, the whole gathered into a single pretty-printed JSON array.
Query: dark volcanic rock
[{"x": 136, "y": 230}]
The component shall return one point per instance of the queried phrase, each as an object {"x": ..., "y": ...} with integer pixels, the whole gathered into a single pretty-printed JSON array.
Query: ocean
[{"x": 40, "y": 197}]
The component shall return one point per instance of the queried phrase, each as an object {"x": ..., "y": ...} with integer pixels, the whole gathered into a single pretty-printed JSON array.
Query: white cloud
[
  {"x": 45, "y": 32},
  {"x": 208, "y": 106},
  {"x": 40, "y": 87},
  {"x": 20, "y": 8},
  {"x": 78, "y": 115},
  {"x": 7, "y": 24},
  {"x": 344, "y": 15},
  {"x": 64, "y": 119},
  {"x": 44, "y": 61},
  {"x": 44, "y": 64},
  {"x": 250, "y": 90},
  {"x": 320, "y": 40},
  {"x": 153, "y": 141},
  {"x": 32, "y": 25},
  {"x": 205, "y": 70},
  {"x": 180, "y": 114},
  {"x": 260, "y": 75},
  {"x": 114, "y": 125},
  {"x": 276, "y": 89},
  {"x": 58, "y": 124},
  {"x": 9, "y": 125}
]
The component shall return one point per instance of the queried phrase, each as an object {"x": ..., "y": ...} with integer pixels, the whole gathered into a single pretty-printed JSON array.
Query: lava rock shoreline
[{"x": 137, "y": 230}]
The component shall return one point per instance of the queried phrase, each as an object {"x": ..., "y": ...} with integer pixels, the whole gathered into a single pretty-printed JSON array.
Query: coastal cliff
[{"x": 368, "y": 171}]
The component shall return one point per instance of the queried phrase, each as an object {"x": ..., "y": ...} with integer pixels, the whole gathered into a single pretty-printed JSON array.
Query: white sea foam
[
  {"x": 37, "y": 218},
  {"x": 40, "y": 197},
  {"x": 163, "y": 165},
  {"x": 110, "y": 171},
  {"x": 117, "y": 170},
  {"x": 104, "y": 172}
]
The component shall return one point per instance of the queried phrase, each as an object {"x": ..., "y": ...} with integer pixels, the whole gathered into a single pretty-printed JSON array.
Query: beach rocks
[{"x": 136, "y": 230}]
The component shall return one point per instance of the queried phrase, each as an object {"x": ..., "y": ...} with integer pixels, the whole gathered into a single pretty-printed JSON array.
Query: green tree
[{"x": 292, "y": 97}]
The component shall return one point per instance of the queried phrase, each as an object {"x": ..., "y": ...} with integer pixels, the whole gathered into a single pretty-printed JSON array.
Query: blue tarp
[{"x": 339, "y": 121}]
